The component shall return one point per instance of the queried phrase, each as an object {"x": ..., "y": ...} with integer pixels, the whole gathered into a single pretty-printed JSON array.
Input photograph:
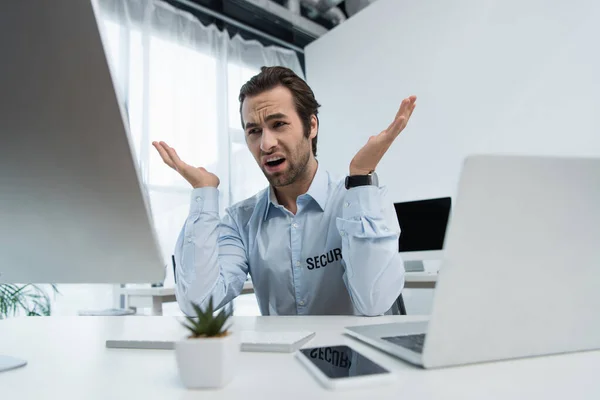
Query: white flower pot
[{"x": 207, "y": 362}]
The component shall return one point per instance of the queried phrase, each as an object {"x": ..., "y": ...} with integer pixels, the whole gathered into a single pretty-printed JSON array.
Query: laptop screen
[{"x": 423, "y": 224}]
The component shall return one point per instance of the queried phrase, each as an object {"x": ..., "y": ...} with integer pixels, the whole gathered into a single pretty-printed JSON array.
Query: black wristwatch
[{"x": 362, "y": 180}]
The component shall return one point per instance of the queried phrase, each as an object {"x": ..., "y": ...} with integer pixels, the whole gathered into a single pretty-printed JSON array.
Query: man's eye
[
  {"x": 253, "y": 131},
  {"x": 279, "y": 124}
]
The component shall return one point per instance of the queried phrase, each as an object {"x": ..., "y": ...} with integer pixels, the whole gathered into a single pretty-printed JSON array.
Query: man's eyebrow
[{"x": 268, "y": 118}]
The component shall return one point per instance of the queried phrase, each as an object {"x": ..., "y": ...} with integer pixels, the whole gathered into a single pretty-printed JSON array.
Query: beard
[{"x": 297, "y": 164}]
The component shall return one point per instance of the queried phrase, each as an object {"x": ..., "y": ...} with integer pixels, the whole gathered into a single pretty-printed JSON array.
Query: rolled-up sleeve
[
  {"x": 369, "y": 228},
  {"x": 209, "y": 254}
]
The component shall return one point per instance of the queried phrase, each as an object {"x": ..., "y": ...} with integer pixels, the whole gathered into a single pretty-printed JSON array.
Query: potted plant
[
  {"x": 28, "y": 300},
  {"x": 207, "y": 358}
]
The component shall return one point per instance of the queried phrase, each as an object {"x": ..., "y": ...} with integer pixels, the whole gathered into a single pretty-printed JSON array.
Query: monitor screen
[{"x": 423, "y": 224}]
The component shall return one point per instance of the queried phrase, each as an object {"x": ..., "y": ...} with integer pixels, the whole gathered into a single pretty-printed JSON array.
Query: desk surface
[{"x": 67, "y": 356}]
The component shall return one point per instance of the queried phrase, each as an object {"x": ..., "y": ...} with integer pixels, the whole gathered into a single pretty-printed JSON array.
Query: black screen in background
[
  {"x": 423, "y": 224},
  {"x": 342, "y": 362}
]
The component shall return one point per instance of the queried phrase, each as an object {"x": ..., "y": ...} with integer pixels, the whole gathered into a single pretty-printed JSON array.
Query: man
[{"x": 312, "y": 244}]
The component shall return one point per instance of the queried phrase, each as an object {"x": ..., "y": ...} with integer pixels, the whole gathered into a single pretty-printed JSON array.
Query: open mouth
[{"x": 275, "y": 163}]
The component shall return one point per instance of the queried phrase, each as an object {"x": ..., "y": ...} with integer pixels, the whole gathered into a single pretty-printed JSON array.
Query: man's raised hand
[
  {"x": 370, "y": 154},
  {"x": 197, "y": 176}
]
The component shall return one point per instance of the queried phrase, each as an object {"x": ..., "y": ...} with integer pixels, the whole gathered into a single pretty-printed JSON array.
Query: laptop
[{"x": 520, "y": 274}]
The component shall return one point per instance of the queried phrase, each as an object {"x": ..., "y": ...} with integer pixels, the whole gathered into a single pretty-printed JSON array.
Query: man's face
[{"x": 276, "y": 137}]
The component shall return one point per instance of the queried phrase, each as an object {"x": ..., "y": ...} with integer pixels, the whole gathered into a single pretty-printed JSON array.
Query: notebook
[
  {"x": 278, "y": 342},
  {"x": 281, "y": 342}
]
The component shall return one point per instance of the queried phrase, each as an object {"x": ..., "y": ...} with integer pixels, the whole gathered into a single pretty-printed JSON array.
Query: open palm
[
  {"x": 197, "y": 176},
  {"x": 367, "y": 158}
]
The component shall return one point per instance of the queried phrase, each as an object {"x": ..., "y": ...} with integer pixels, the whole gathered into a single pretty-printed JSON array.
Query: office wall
[
  {"x": 507, "y": 76},
  {"x": 511, "y": 76}
]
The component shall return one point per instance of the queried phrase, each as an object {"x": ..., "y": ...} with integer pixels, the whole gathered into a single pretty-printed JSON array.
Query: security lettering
[
  {"x": 334, "y": 357},
  {"x": 324, "y": 259}
]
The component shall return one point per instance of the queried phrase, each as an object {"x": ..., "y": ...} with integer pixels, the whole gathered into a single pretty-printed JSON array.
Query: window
[
  {"x": 177, "y": 104},
  {"x": 178, "y": 81},
  {"x": 246, "y": 177}
]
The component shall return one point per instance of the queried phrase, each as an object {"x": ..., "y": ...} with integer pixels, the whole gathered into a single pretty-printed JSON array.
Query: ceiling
[{"x": 276, "y": 19}]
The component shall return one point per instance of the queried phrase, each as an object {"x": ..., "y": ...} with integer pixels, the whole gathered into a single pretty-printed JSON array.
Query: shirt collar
[
  {"x": 317, "y": 191},
  {"x": 319, "y": 188}
]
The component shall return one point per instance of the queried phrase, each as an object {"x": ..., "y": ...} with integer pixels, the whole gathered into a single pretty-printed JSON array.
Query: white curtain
[{"x": 179, "y": 81}]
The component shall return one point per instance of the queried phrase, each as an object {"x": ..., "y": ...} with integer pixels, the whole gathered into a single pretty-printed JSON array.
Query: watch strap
[{"x": 358, "y": 180}]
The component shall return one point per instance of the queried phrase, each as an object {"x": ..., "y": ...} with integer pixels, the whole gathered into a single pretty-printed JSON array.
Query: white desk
[
  {"x": 420, "y": 280},
  {"x": 67, "y": 357},
  {"x": 155, "y": 297}
]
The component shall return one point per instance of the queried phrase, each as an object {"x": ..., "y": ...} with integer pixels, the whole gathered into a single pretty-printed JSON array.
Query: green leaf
[
  {"x": 207, "y": 322},
  {"x": 191, "y": 328},
  {"x": 29, "y": 299}
]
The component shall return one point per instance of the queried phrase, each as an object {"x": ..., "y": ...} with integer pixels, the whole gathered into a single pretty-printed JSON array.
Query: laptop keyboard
[{"x": 411, "y": 342}]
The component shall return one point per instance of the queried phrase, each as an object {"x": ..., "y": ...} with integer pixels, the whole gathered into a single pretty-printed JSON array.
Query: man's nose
[{"x": 268, "y": 140}]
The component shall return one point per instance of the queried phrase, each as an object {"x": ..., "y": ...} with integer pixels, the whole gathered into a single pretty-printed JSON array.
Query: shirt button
[
  {"x": 301, "y": 302},
  {"x": 343, "y": 233},
  {"x": 346, "y": 204},
  {"x": 295, "y": 225},
  {"x": 297, "y": 263},
  {"x": 190, "y": 240},
  {"x": 198, "y": 199}
]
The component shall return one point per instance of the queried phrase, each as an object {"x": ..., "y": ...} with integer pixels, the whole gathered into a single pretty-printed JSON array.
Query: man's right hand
[{"x": 197, "y": 177}]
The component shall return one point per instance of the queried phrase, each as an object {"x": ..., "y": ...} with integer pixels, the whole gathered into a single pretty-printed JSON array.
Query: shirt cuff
[
  {"x": 205, "y": 199},
  {"x": 362, "y": 201}
]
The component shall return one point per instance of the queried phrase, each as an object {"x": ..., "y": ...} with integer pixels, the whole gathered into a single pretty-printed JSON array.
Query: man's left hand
[{"x": 367, "y": 158}]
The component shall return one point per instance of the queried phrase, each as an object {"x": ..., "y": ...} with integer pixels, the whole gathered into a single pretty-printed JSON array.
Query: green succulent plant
[{"x": 206, "y": 323}]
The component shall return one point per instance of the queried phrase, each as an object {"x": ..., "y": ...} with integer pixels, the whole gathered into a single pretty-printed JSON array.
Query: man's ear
[{"x": 314, "y": 126}]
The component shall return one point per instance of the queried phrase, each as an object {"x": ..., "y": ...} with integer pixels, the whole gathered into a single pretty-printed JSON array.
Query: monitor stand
[
  {"x": 414, "y": 266},
  {"x": 7, "y": 363}
]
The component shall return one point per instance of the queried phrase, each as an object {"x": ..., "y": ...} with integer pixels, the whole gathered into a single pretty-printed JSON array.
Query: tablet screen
[{"x": 342, "y": 362}]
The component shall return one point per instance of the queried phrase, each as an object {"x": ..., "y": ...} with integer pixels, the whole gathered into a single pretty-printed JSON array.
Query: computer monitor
[
  {"x": 422, "y": 230},
  {"x": 72, "y": 206}
]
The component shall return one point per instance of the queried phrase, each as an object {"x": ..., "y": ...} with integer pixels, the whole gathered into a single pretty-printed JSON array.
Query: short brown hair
[{"x": 304, "y": 98}]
